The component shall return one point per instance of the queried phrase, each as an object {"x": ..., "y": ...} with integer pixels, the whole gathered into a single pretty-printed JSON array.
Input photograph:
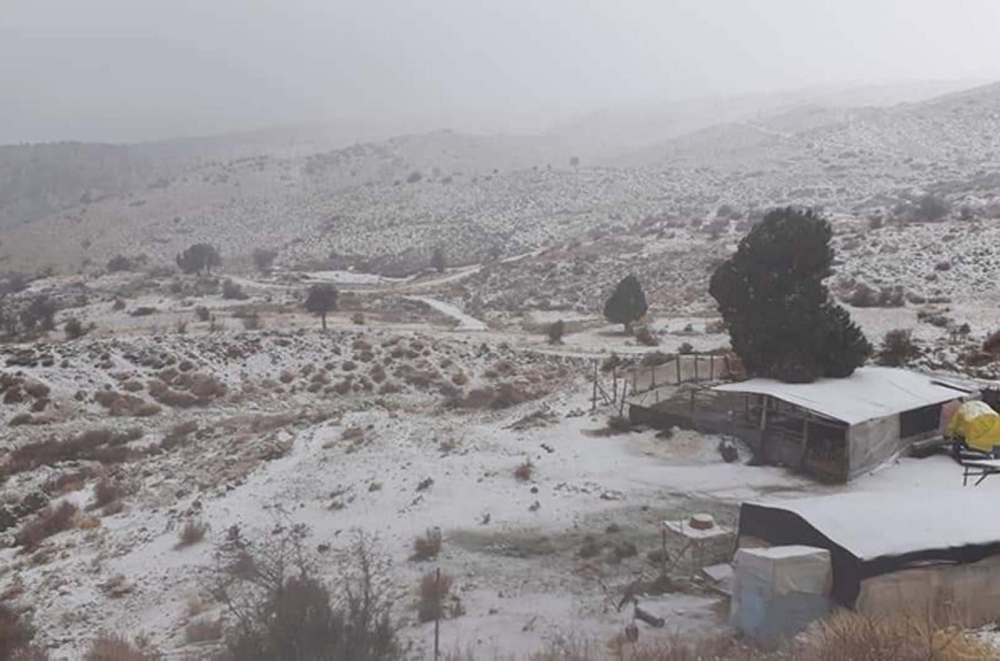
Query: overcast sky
[{"x": 123, "y": 70}]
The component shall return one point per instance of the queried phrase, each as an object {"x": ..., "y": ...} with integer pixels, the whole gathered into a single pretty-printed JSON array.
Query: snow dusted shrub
[
  {"x": 192, "y": 533},
  {"x": 992, "y": 343},
  {"x": 278, "y": 609},
  {"x": 555, "y": 331},
  {"x": 115, "y": 647},
  {"x": 897, "y": 348},
  {"x": 48, "y": 522},
  {"x": 524, "y": 470},
  {"x": 427, "y": 546},
  {"x": 434, "y": 598},
  {"x": 15, "y": 636},
  {"x": 202, "y": 631},
  {"x": 644, "y": 336},
  {"x": 619, "y": 424}
]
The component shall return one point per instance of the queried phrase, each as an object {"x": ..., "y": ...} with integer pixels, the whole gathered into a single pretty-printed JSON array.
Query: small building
[
  {"x": 923, "y": 553},
  {"x": 839, "y": 428}
]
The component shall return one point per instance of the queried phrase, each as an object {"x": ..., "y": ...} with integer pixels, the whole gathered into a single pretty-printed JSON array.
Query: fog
[{"x": 121, "y": 70}]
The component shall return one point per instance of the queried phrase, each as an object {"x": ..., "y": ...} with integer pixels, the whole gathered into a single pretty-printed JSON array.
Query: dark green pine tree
[
  {"x": 782, "y": 322},
  {"x": 627, "y": 303}
]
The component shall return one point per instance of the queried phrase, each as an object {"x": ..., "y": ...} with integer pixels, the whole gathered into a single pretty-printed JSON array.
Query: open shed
[
  {"x": 839, "y": 428},
  {"x": 893, "y": 552}
]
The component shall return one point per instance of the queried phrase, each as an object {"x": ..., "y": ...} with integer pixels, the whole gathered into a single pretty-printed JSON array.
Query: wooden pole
[
  {"x": 614, "y": 384},
  {"x": 679, "y": 380},
  {"x": 437, "y": 615},
  {"x": 696, "y": 356},
  {"x": 663, "y": 551},
  {"x": 593, "y": 406},
  {"x": 711, "y": 367}
]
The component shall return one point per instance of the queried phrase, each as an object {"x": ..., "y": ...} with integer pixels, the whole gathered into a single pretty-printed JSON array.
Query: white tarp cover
[
  {"x": 778, "y": 591},
  {"x": 872, "y": 443},
  {"x": 787, "y": 569},
  {"x": 869, "y": 393},
  {"x": 874, "y": 524}
]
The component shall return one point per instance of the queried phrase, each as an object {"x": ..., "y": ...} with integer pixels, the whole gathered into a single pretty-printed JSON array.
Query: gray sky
[{"x": 136, "y": 69}]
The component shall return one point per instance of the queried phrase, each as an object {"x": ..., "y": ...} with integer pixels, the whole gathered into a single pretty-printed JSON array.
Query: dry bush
[
  {"x": 15, "y": 634},
  {"x": 524, "y": 470},
  {"x": 432, "y": 597},
  {"x": 125, "y": 405},
  {"x": 555, "y": 331},
  {"x": 992, "y": 343},
  {"x": 619, "y": 424},
  {"x": 897, "y": 348},
  {"x": 178, "y": 434},
  {"x": 109, "y": 490},
  {"x": 848, "y": 636},
  {"x": 645, "y": 337},
  {"x": 203, "y": 631},
  {"x": 64, "y": 483},
  {"x": 278, "y": 610},
  {"x": 104, "y": 445},
  {"x": 48, "y": 522},
  {"x": 428, "y": 546},
  {"x": 114, "y": 647},
  {"x": 192, "y": 533}
]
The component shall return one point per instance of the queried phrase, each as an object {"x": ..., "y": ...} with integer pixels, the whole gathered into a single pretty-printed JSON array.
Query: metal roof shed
[
  {"x": 891, "y": 547},
  {"x": 883, "y": 409}
]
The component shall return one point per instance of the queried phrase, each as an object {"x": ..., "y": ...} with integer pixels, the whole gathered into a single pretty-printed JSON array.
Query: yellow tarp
[{"x": 978, "y": 424}]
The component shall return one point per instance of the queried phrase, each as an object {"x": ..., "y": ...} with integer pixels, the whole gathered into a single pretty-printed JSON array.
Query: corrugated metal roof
[{"x": 868, "y": 394}]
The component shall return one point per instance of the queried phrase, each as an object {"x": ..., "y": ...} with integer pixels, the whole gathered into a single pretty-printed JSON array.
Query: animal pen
[
  {"x": 646, "y": 382},
  {"x": 833, "y": 429}
]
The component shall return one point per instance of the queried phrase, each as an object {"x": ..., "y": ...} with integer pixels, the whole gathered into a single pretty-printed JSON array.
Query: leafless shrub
[
  {"x": 46, "y": 523},
  {"x": 427, "y": 546},
  {"x": 66, "y": 482},
  {"x": 278, "y": 608},
  {"x": 109, "y": 490},
  {"x": 203, "y": 630},
  {"x": 15, "y": 634},
  {"x": 253, "y": 321},
  {"x": 102, "y": 445},
  {"x": 555, "y": 331},
  {"x": 434, "y": 598},
  {"x": 645, "y": 337},
  {"x": 619, "y": 424},
  {"x": 191, "y": 533},
  {"x": 125, "y": 405},
  {"x": 524, "y": 470},
  {"x": 847, "y": 636},
  {"x": 114, "y": 647}
]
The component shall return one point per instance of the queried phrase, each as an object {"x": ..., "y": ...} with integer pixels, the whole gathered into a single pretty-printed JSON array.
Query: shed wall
[
  {"x": 964, "y": 594},
  {"x": 871, "y": 443}
]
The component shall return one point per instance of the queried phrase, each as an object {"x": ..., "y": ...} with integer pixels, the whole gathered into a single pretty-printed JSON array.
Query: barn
[{"x": 839, "y": 428}]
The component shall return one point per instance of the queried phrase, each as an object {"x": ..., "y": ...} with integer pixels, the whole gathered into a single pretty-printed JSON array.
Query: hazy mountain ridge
[{"x": 394, "y": 200}]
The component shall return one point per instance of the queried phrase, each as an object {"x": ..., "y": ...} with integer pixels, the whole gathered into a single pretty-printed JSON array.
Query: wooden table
[{"x": 979, "y": 468}]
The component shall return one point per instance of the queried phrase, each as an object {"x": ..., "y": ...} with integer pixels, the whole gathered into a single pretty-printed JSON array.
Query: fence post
[
  {"x": 696, "y": 357},
  {"x": 711, "y": 367},
  {"x": 437, "y": 614},
  {"x": 593, "y": 405},
  {"x": 679, "y": 379}
]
